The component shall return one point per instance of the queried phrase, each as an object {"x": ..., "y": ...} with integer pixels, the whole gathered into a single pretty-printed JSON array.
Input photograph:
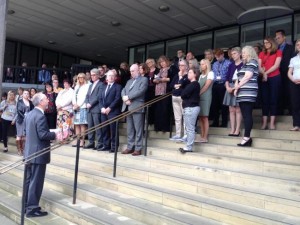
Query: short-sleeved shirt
[
  {"x": 267, "y": 61},
  {"x": 295, "y": 64},
  {"x": 248, "y": 92}
]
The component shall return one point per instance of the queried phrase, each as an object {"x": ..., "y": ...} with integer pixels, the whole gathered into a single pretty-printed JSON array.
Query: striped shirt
[{"x": 248, "y": 92}]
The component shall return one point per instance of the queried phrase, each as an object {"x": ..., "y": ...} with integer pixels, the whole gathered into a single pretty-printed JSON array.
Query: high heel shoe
[{"x": 247, "y": 143}]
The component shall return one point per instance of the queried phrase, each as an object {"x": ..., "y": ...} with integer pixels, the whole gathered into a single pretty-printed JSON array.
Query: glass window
[
  {"x": 174, "y": 45},
  {"x": 10, "y": 53},
  {"x": 50, "y": 58},
  {"x": 284, "y": 23},
  {"x": 226, "y": 38},
  {"x": 29, "y": 54},
  {"x": 297, "y": 27},
  {"x": 137, "y": 54},
  {"x": 199, "y": 43},
  {"x": 252, "y": 33},
  {"x": 155, "y": 50},
  {"x": 67, "y": 61}
]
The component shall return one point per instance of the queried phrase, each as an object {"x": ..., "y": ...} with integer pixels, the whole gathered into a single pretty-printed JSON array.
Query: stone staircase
[{"x": 219, "y": 183}]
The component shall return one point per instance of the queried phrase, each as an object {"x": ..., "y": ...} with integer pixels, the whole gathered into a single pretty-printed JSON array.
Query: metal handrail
[
  {"x": 116, "y": 119},
  {"x": 19, "y": 162}
]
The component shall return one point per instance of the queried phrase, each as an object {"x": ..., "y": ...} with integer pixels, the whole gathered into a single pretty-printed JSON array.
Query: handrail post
[
  {"x": 24, "y": 195},
  {"x": 146, "y": 132},
  {"x": 116, "y": 148},
  {"x": 76, "y": 170},
  {"x": 171, "y": 126}
]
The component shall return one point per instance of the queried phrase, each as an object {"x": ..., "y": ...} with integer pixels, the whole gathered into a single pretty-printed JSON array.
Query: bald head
[{"x": 134, "y": 71}]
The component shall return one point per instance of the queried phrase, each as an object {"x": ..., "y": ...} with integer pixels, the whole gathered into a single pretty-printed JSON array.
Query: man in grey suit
[
  {"x": 133, "y": 96},
  {"x": 94, "y": 110},
  {"x": 39, "y": 139}
]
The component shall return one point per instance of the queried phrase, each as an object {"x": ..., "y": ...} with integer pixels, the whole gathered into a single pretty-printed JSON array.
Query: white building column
[{"x": 3, "y": 10}]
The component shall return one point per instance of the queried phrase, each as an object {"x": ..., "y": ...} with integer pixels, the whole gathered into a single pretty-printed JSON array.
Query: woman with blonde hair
[
  {"x": 205, "y": 80},
  {"x": 79, "y": 106},
  {"x": 269, "y": 63},
  {"x": 8, "y": 108},
  {"x": 162, "y": 108},
  {"x": 246, "y": 89}
]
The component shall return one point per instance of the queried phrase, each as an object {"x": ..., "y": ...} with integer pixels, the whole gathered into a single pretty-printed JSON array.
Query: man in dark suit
[
  {"x": 93, "y": 107},
  {"x": 288, "y": 51},
  {"x": 110, "y": 104},
  {"x": 37, "y": 141},
  {"x": 22, "y": 75},
  {"x": 133, "y": 96}
]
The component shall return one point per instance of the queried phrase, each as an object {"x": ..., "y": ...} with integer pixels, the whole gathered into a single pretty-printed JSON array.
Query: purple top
[{"x": 231, "y": 69}]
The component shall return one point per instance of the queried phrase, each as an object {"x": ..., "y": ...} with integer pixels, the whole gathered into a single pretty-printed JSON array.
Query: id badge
[{"x": 218, "y": 77}]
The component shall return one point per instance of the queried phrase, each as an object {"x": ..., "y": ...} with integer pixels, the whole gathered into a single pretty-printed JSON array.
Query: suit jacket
[
  {"x": 23, "y": 76},
  {"x": 287, "y": 54},
  {"x": 93, "y": 97},
  {"x": 112, "y": 99},
  {"x": 38, "y": 136},
  {"x": 135, "y": 92},
  {"x": 44, "y": 76}
]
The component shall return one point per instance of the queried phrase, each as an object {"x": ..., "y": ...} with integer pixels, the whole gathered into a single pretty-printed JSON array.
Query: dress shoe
[
  {"x": 98, "y": 147},
  {"x": 245, "y": 143},
  {"x": 127, "y": 151},
  {"x": 136, "y": 153},
  {"x": 36, "y": 213},
  {"x": 111, "y": 151},
  {"x": 104, "y": 148},
  {"x": 185, "y": 150},
  {"x": 236, "y": 135},
  {"x": 5, "y": 150},
  {"x": 75, "y": 145},
  {"x": 90, "y": 145}
]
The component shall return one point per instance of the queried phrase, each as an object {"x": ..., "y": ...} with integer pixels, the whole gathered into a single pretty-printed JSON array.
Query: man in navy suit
[
  {"x": 110, "y": 104},
  {"x": 93, "y": 107},
  {"x": 39, "y": 139},
  {"x": 288, "y": 52}
]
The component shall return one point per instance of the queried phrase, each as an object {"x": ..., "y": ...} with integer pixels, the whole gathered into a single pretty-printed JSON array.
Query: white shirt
[
  {"x": 210, "y": 75},
  {"x": 295, "y": 64}
]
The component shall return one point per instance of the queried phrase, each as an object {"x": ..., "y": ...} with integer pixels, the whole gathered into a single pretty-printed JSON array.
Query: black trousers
[
  {"x": 295, "y": 102},
  {"x": 6, "y": 127},
  {"x": 218, "y": 92},
  {"x": 246, "y": 110},
  {"x": 109, "y": 132},
  {"x": 270, "y": 92},
  {"x": 51, "y": 120},
  {"x": 34, "y": 185}
]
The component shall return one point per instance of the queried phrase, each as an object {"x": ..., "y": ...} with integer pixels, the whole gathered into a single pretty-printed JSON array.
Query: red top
[{"x": 267, "y": 61}]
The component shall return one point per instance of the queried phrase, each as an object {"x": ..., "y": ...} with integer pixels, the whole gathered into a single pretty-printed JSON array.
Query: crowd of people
[{"x": 231, "y": 86}]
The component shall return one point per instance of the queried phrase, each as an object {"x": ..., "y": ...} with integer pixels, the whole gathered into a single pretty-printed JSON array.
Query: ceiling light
[
  {"x": 98, "y": 55},
  {"x": 164, "y": 8},
  {"x": 79, "y": 34},
  {"x": 51, "y": 42},
  {"x": 115, "y": 23},
  {"x": 10, "y": 12}
]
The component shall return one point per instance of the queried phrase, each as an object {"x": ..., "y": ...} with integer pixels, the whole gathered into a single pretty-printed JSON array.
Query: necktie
[
  {"x": 131, "y": 86},
  {"x": 107, "y": 89}
]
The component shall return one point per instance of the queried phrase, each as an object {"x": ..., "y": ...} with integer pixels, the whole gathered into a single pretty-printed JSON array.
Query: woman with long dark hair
[{"x": 50, "y": 112}]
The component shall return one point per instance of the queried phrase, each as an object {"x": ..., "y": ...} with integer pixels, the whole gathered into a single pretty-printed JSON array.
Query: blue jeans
[{"x": 190, "y": 115}]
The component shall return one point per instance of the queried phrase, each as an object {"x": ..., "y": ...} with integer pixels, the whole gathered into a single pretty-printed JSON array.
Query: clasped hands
[{"x": 126, "y": 100}]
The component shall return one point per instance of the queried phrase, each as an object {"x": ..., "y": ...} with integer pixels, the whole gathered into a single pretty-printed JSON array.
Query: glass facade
[
  {"x": 252, "y": 33},
  {"x": 29, "y": 54},
  {"x": 10, "y": 53},
  {"x": 173, "y": 46},
  {"x": 199, "y": 42},
  {"x": 236, "y": 35},
  {"x": 50, "y": 58}
]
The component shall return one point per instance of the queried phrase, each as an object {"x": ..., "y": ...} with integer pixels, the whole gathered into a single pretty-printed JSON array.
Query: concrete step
[
  {"x": 10, "y": 207},
  {"x": 6, "y": 221},
  {"x": 229, "y": 212},
  {"x": 61, "y": 204},
  {"x": 142, "y": 210},
  {"x": 262, "y": 143}
]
